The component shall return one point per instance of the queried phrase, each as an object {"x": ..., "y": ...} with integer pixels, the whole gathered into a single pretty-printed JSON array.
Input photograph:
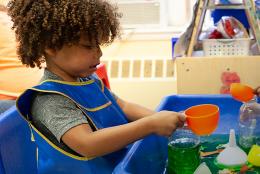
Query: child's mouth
[{"x": 94, "y": 67}]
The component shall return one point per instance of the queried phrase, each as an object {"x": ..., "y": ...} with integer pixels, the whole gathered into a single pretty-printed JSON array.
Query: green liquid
[{"x": 183, "y": 156}]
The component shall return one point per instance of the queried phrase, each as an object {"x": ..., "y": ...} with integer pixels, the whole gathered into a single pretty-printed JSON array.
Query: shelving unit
[
  {"x": 252, "y": 19},
  {"x": 209, "y": 75}
]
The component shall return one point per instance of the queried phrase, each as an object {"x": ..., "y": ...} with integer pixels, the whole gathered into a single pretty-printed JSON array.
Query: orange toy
[
  {"x": 202, "y": 119},
  {"x": 241, "y": 92}
]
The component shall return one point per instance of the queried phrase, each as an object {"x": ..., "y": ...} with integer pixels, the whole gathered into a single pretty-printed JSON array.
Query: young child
[{"x": 78, "y": 124}]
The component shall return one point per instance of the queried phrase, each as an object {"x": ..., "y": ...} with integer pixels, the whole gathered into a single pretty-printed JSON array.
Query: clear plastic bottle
[{"x": 249, "y": 125}]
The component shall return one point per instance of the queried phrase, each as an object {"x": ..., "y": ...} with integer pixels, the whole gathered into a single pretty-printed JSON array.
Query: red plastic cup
[
  {"x": 241, "y": 92},
  {"x": 202, "y": 119}
]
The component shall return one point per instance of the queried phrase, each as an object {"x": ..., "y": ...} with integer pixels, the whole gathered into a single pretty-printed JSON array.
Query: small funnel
[{"x": 232, "y": 156}]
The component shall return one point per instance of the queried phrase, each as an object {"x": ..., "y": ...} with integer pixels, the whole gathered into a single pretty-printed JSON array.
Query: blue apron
[{"x": 101, "y": 109}]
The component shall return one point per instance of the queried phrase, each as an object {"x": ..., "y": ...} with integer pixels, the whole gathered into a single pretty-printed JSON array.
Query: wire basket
[{"x": 226, "y": 47}]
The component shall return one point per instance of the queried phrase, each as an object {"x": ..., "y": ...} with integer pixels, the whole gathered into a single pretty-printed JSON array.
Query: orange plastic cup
[
  {"x": 202, "y": 119},
  {"x": 241, "y": 92}
]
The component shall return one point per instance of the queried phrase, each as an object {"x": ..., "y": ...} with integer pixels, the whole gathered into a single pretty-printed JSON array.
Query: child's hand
[
  {"x": 165, "y": 122},
  {"x": 257, "y": 91}
]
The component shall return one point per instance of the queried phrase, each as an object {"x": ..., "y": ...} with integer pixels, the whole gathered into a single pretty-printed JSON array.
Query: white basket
[{"x": 226, "y": 47}]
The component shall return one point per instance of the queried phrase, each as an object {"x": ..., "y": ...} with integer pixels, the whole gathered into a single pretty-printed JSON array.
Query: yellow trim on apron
[
  {"x": 53, "y": 145},
  {"x": 80, "y": 106},
  {"x": 50, "y": 143},
  {"x": 88, "y": 109},
  {"x": 47, "y": 140},
  {"x": 59, "y": 149},
  {"x": 70, "y": 83},
  {"x": 102, "y": 84}
]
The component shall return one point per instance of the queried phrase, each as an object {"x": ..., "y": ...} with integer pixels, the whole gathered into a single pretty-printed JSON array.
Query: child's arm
[
  {"x": 133, "y": 111},
  {"x": 91, "y": 144}
]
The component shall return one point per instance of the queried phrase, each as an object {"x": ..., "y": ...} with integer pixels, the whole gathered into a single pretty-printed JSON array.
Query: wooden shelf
[
  {"x": 204, "y": 5},
  {"x": 198, "y": 74},
  {"x": 238, "y": 6},
  {"x": 203, "y": 75}
]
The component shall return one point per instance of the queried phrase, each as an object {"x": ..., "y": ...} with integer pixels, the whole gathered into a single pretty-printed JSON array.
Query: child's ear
[{"x": 50, "y": 52}]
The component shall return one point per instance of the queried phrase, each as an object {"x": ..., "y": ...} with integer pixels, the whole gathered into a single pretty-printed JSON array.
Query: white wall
[
  {"x": 144, "y": 91},
  {"x": 149, "y": 44},
  {"x": 147, "y": 93}
]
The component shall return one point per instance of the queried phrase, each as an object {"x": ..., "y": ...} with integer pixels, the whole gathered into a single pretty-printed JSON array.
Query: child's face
[{"x": 72, "y": 62}]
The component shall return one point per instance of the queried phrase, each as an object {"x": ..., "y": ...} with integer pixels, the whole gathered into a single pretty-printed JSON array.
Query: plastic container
[
  {"x": 254, "y": 155},
  {"x": 241, "y": 92},
  {"x": 249, "y": 123},
  {"x": 183, "y": 152},
  {"x": 202, "y": 119},
  {"x": 237, "y": 13},
  {"x": 232, "y": 157},
  {"x": 226, "y": 47}
]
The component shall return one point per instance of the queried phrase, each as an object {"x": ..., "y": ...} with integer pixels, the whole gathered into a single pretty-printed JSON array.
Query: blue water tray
[
  {"x": 229, "y": 108},
  {"x": 18, "y": 153}
]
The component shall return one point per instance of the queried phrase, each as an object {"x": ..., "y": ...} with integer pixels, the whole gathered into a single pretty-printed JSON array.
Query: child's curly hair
[{"x": 41, "y": 24}]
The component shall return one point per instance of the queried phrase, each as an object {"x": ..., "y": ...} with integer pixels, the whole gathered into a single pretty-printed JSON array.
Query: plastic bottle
[
  {"x": 249, "y": 122},
  {"x": 183, "y": 152}
]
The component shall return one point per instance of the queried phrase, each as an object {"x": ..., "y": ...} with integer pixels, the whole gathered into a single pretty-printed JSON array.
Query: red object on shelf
[
  {"x": 102, "y": 74},
  {"x": 215, "y": 35},
  {"x": 227, "y": 79},
  {"x": 229, "y": 26}
]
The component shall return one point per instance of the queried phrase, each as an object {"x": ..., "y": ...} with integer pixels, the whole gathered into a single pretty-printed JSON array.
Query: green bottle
[{"x": 183, "y": 152}]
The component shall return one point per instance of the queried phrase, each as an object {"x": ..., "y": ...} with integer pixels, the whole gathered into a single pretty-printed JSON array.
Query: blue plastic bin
[
  {"x": 17, "y": 152},
  {"x": 229, "y": 108},
  {"x": 5, "y": 105}
]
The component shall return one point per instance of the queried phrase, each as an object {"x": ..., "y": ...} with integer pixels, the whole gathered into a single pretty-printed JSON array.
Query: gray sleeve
[{"x": 57, "y": 113}]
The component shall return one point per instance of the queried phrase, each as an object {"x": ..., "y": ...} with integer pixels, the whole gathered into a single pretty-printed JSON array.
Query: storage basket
[{"x": 226, "y": 47}]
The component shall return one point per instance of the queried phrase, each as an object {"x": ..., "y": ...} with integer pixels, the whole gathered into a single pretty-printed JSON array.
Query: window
[
  {"x": 151, "y": 17},
  {"x": 142, "y": 13}
]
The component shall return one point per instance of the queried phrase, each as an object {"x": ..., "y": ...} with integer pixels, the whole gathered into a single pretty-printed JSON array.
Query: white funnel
[{"x": 232, "y": 155}]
